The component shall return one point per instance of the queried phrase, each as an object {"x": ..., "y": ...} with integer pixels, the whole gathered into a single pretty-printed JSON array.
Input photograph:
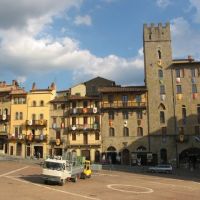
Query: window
[
  {"x": 178, "y": 89},
  {"x": 34, "y": 103},
  {"x": 41, "y": 116},
  {"x": 85, "y": 120},
  {"x": 162, "y": 117},
  {"x": 96, "y": 135},
  {"x": 138, "y": 98},
  {"x": 181, "y": 130},
  {"x": 42, "y": 103},
  {"x": 194, "y": 88},
  {"x": 33, "y": 117},
  {"x": 111, "y": 132},
  {"x": 18, "y": 131},
  {"x": 16, "y": 115},
  {"x": 159, "y": 54},
  {"x": 15, "y": 100},
  {"x": 197, "y": 132},
  {"x": 111, "y": 115},
  {"x": 62, "y": 106},
  {"x": 184, "y": 115},
  {"x": 73, "y": 121},
  {"x": 57, "y": 134},
  {"x": 160, "y": 73},
  {"x": 20, "y": 115},
  {"x": 125, "y": 115},
  {"x": 54, "y": 106},
  {"x": 110, "y": 98},
  {"x": 193, "y": 72},
  {"x": 178, "y": 73},
  {"x": 54, "y": 120},
  {"x": 73, "y": 136},
  {"x": 85, "y": 104},
  {"x": 139, "y": 114},
  {"x": 162, "y": 89},
  {"x": 139, "y": 131},
  {"x": 124, "y": 100},
  {"x": 164, "y": 131},
  {"x": 19, "y": 100},
  {"x": 198, "y": 113},
  {"x": 96, "y": 103},
  {"x": 126, "y": 132},
  {"x": 74, "y": 104}
]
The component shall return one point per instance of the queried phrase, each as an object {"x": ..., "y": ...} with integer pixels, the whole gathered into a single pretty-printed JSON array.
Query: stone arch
[
  {"x": 161, "y": 107},
  {"x": 190, "y": 156},
  {"x": 163, "y": 155},
  {"x": 111, "y": 155},
  {"x": 125, "y": 157},
  {"x": 97, "y": 156},
  {"x": 141, "y": 148}
]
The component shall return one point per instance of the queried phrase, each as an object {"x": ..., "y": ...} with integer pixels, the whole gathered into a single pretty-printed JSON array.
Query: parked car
[{"x": 167, "y": 168}]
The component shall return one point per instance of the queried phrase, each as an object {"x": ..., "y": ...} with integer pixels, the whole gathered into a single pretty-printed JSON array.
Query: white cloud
[
  {"x": 185, "y": 39},
  {"x": 83, "y": 20},
  {"x": 23, "y": 54},
  {"x": 163, "y": 3},
  {"x": 196, "y": 5}
]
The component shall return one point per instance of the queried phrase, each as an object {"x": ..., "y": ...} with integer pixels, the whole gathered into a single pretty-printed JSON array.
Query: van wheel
[
  {"x": 62, "y": 182},
  {"x": 75, "y": 179},
  {"x": 83, "y": 176}
]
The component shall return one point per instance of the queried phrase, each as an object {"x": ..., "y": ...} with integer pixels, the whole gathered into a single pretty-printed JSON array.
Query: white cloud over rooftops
[
  {"x": 83, "y": 20},
  {"x": 22, "y": 53}
]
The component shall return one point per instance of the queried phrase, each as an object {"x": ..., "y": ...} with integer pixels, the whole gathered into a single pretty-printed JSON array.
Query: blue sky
[{"x": 70, "y": 41}]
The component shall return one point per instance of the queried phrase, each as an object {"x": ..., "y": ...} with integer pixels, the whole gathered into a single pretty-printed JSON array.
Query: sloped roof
[{"x": 122, "y": 89}]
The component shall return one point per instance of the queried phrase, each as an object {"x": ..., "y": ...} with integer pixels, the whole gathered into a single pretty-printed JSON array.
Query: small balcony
[
  {"x": 4, "y": 118},
  {"x": 182, "y": 138},
  {"x": 85, "y": 145},
  {"x": 120, "y": 104},
  {"x": 83, "y": 111},
  {"x": 84, "y": 127},
  {"x": 41, "y": 122},
  {"x": 17, "y": 138},
  {"x": 36, "y": 138}
]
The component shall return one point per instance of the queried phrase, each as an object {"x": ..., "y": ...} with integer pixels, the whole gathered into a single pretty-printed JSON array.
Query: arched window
[
  {"x": 41, "y": 116},
  {"x": 184, "y": 114},
  {"x": 126, "y": 132},
  {"x": 162, "y": 117},
  {"x": 111, "y": 132},
  {"x": 34, "y": 103},
  {"x": 160, "y": 73},
  {"x": 163, "y": 156},
  {"x": 41, "y": 103},
  {"x": 159, "y": 54},
  {"x": 21, "y": 115},
  {"x": 16, "y": 115},
  {"x": 139, "y": 131}
]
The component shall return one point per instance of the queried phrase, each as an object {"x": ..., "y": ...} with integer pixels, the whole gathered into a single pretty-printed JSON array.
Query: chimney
[
  {"x": 53, "y": 86},
  {"x": 4, "y": 84},
  {"x": 33, "y": 86},
  {"x": 190, "y": 59}
]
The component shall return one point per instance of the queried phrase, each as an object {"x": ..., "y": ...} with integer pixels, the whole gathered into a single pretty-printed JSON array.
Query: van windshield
[{"x": 54, "y": 166}]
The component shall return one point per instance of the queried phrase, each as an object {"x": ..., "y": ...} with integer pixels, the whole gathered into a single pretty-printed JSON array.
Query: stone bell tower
[{"x": 158, "y": 80}]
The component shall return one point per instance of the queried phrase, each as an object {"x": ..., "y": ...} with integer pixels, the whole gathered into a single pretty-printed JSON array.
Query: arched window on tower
[{"x": 159, "y": 54}]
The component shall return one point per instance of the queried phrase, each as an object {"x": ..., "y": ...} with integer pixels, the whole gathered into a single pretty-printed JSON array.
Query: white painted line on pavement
[
  {"x": 172, "y": 185},
  {"x": 146, "y": 190},
  {"x": 53, "y": 189},
  {"x": 13, "y": 171},
  {"x": 100, "y": 174}
]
